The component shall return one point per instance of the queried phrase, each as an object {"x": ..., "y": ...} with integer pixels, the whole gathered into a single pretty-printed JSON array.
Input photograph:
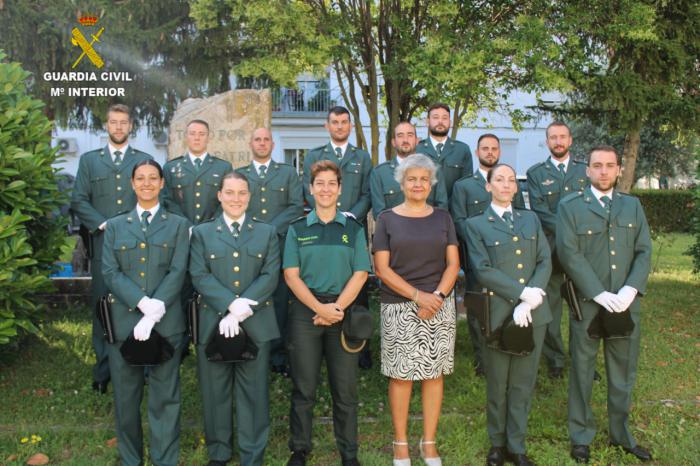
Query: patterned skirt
[{"x": 417, "y": 349}]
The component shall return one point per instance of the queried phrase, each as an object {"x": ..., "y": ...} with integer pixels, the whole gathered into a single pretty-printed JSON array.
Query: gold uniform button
[
  {"x": 520, "y": 266},
  {"x": 262, "y": 189},
  {"x": 613, "y": 266},
  {"x": 236, "y": 283},
  {"x": 179, "y": 186},
  {"x": 259, "y": 256},
  {"x": 515, "y": 238},
  {"x": 630, "y": 225},
  {"x": 262, "y": 199},
  {"x": 123, "y": 247},
  {"x": 612, "y": 238},
  {"x": 199, "y": 183},
  {"x": 142, "y": 245},
  {"x": 590, "y": 232},
  {"x": 490, "y": 293},
  {"x": 212, "y": 256},
  {"x": 338, "y": 204},
  {"x": 119, "y": 188},
  {"x": 118, "y": 176},
  {"x": 236, "y": 269},
  {"x": 612, "y": 253},
  {"x": 549, "y": 192},
  {"x": 235, "y": 254},
  {"x": 518, "y": 252},
  {"x": 496, "y": 243},
  {"x": 142, "y": 274},
  {"x": 521, "y": 280},
  {"x": 476, "y": 202},
  {"x": 281, "y": 189},
  {"x": 119, "y": 201},
  {"x": 198, "y": 206},
  {"x": 197, "y": 217},
  {"x": 143, "y": 259},
  {"x": 197, "y": 194},
  {"x": 264, "y": 211},
  {"x": 566, "y": 188}
]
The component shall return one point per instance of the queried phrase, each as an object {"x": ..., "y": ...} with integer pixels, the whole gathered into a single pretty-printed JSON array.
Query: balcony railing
[{"x": 310, "y": 97}]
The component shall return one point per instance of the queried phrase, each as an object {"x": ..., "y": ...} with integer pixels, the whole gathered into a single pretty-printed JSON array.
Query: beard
[
  {"x": 559, "y": 153},
  {"x": 120, "y": 141},
  {"x": 486, "y": 163},
  {"x": 402, "y": 152},
  {"x": 440, "y": 133}
]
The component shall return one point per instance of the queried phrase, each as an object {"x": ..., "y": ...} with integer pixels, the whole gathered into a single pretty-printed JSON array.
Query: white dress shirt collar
[
  {"x": 229, "y": 221},
  {"x": 556, "y": 163},
  {"x": 153, "y": 210},
  {"x": 193, "y": 157},
  {"x": 500, "y": 210},
  {"x": 122, "y": 150},
  {"x": 598, "y": 194},
  {"x": 343, "y": 148}
]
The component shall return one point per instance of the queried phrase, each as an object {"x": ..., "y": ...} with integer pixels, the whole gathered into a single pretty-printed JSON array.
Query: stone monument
[{"x": 232, "y": 117}]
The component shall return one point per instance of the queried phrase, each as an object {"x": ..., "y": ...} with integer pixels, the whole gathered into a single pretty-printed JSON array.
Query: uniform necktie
[
  {"x": 562, "y": 169},
  {"x": 263, "y": 169},
  {"x": 117, "y": 157},
  {"x": 339, "y": 153},
  {"x": 606, "y": 203},
  {"x": 508, "y": 218},
  {"x": 198, "y": 163},
  {"x": 235, "y": 229},
  {"x": 144, "y": 220},
  {"x": 439, "y": 149}
]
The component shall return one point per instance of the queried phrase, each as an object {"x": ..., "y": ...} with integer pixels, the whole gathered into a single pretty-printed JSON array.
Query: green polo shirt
[{"x": 327, "y": 254}]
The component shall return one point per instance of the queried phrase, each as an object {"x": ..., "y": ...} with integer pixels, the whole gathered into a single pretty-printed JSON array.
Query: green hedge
[
  {"x": 32, "y": 230},
  {"x": 667, "y": 210}
]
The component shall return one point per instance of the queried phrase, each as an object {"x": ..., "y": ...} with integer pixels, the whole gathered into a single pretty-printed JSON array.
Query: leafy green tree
[{"x": 31, "y": 228}]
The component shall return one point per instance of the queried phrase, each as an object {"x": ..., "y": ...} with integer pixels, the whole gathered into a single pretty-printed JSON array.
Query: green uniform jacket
[
  {"x": 470, "y": 198},
  {"x": 191, "y": 193},
  {"x": 505, "y": 261},
  {"x": 224, "y": 268},
  {"x": 386, "y": 191},
  {"x": 151, "y": 263},
  {"x": 102, "y": 189},
  {"x": 546, "y": 188},
  {"x": 355, "y": 167},
  {"x": 601, "y": 254},
  {"x": 277, "y": 199},
  {"x": 455, "y": 162}
]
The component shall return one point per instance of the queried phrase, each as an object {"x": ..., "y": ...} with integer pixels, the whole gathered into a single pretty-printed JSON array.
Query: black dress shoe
[
  {"x": 596, "y": 376},
  {"x": 216, "y": 463},
  {"x": 365, "y": 361},
  {"x": 352, "y": 462},
  {"x": 496, "y": 456},
  {"x": 298, "y": 458},
  {"x": 519, "y": 459},
  {"x": 100, "y": 387},
  {"x": 556, "y": 372},
  {"x": 479, "y": 369},
  {"x": 580, "y": 453},
  {"x": 640, "y": 452}
]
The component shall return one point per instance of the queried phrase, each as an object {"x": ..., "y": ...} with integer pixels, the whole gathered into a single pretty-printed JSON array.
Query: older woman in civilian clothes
[
  {"x": 144, "y": 260},
  {"x": 510, "y": 256},
  {"x": 417, "y": 260},
  {"x": 325, "y": 265}
]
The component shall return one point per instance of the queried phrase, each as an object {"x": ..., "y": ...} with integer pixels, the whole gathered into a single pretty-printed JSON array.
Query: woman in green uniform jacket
[
  {"x": 144, "y": 260},
  {"x": 326, "y": 262},
  {"x": 510, "y": 256}
]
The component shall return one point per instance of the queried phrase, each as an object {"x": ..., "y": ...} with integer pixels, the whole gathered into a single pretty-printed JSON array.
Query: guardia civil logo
[{"x": 78, "y": 39}]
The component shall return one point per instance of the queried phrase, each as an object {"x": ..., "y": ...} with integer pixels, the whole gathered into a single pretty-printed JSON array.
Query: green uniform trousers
[
  {"x": 553, "y": 349},
  {"x": 280, "y": 298},
  {"x": 247, "y": 383},
  {"x": 510, "y": 381},
  {"x": 621, "y": 355},
  {"x": 163, "y": 407},
  {"x": 308, "y": 344}
]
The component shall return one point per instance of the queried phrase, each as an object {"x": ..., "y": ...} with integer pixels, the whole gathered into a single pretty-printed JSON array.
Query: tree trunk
[{"x": 629, "y": 158}]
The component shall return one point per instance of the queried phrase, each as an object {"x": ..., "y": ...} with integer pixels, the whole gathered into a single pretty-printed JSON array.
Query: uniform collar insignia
[{"x": 128, "y": 219}]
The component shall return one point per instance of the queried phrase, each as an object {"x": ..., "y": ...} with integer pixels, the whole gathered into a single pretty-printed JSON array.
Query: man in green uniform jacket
[
  {"x": 453, "y": 157},
  {"x": 547, "y": 183},
  {"x": 235, "y": 265},
  {"x": 355, "y": 165},
  {"x": 102, "y": 190},
  {"x": 469, "y": 199},
  {"x": 385, "y": 190},
  {"x": 277, "y": 198},
  {"x": 604, "y": 246},
  {"x": 192, "y": 180}
]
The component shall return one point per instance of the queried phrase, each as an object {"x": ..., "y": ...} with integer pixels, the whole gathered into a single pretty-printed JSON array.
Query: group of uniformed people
[{"x": 240, "y": 240}]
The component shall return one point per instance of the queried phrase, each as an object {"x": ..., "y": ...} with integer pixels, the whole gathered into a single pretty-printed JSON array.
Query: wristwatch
[{"x": 440, "y": 293}]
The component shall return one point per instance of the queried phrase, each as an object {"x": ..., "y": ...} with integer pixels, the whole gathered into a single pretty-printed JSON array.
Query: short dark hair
[
  {"x": 201, "y": 122},
  {"x": 338, "y": 110},
  {"x": 487, "y": 135},
  {"x": 120, "y": 108},
  {"x": 438, "y": 105},
  {"x": 324, "y": 166},
  {"x": 604, "y": 148},
  {"x": 150, "y": 162},
  {"x": 493, "y": 169},
  {"x": 557, "y": 123},
  {"x": 234, "y": 175},
  {"x": 402, "y": 122}
]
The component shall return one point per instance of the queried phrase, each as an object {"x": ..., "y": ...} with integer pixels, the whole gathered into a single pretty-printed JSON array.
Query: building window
[{"x": 295, "y": 158}]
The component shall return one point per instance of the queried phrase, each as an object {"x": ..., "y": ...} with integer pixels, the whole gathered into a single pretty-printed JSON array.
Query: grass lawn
[{"x": 45, "y": 392}]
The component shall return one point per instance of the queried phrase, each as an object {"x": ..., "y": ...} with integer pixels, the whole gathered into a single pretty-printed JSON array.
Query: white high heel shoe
[
  {"x": 436, "y": 461},
  {"x": 403, "y": 461}
]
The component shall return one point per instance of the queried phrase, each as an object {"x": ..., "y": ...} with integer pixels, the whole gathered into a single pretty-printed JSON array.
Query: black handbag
[
  {"x": 156, "y": 350},
  {"x": 104, "y": 314},
  {"x": 568, "y": 292},
  {"x": 357, "y": 328}
]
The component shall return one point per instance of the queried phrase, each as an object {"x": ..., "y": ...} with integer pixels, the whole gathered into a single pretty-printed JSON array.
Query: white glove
[
  {"x": 229, "y": 326},
  {"x": 349, "y": 214},
  {"x": 153, "y": 308},
  {"x": 532, "y": 296},
  {"x": 627, "y": 295},
  {"x": 522, "y": 315},
  {"x": 102, "y": 226},
  {"x": 240, "y": 307},
  {"x": 610, "y": 301},
  {"x": 142, "y": 331}
]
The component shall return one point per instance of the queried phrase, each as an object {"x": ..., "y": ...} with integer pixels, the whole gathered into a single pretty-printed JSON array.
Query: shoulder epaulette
[{"x": 571, "y": 196}]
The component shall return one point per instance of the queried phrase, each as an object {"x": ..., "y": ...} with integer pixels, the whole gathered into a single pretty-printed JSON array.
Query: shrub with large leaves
[{"x": 31, "y": 229}]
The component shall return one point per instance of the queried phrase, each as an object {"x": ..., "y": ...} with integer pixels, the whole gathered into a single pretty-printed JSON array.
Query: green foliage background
[{"x": 31, "y": 229}]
